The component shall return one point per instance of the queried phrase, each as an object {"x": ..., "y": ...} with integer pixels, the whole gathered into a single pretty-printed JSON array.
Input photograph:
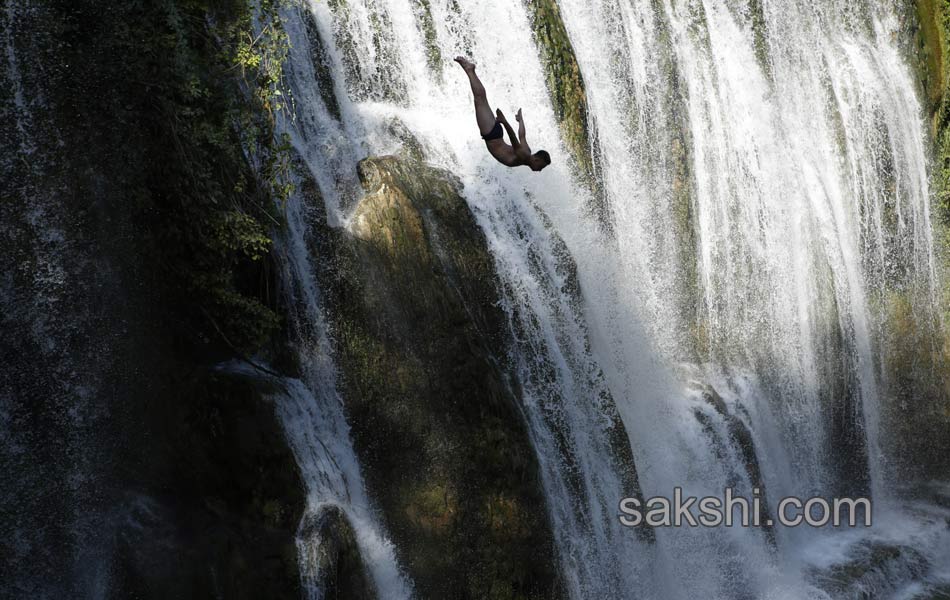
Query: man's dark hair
[{"x": 543, "y": 155}]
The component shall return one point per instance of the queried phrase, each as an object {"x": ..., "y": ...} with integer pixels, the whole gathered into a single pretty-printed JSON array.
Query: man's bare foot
[
  {"x": 466, "y": 64},
  {"x": 500, "y": 115},
  {"x": 518, "y": 116}
]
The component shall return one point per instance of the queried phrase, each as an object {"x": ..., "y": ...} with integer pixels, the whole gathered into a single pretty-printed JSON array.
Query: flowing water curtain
[
  {"x": 328, "y": 74},
  {"x": 753, "y": 156},
  {"x": 580, "y": 464},
  {"x": 771, "y": 98},
  {"x": 787, "y": 251},
  {"x": 785, "y": 182}
]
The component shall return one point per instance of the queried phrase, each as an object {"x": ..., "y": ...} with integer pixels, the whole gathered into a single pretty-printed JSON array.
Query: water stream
[{"x": 765, "y": 177}]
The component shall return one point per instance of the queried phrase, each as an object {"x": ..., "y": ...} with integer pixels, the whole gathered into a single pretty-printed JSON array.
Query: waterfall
[
  {"x": 311, "y": 412},
  {"x": 763, "y": 180}
]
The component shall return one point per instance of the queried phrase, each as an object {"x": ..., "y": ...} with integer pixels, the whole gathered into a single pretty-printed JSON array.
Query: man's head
[{"x": 539, "y": 160}]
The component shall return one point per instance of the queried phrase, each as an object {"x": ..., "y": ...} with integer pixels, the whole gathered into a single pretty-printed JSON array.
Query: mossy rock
[
  {"x": 932, "y": 35},
  {"x": 564, "y": 81},
  {"x": 916, "y": 373},
  {"x": 435, "y": 418},
  {"x": 929, "y": 34}
]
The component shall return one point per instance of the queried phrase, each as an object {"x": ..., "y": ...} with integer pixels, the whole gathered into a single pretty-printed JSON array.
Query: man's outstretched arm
[
  {"x": 521, "y": 131},
  {"x": 515, "y": 140}
]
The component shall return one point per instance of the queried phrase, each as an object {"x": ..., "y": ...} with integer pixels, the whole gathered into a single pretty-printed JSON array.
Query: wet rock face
[
  {"x": 335, "y": 556},
  {"x": 130, "y": 470},
  {"x": 921, "y": 437},
  {"x": 321, "y": 64},
  {"x": 927, "y": 34},
  {"x": 872, "y": 569},
  {"x": 435, "y": 418},
  {"x": 564, "y": 80},
  {"x": 739, "y": 436},
  {"x": 214, "y": 511}
]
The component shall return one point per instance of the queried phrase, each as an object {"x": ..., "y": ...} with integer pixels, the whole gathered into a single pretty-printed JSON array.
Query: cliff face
[
  {"x": 130, "y": 466},
  {"x": 918, "y": 370},
  {"x": 136, "y": 259},
  {"x": 435, "y": 418},
  {"x": 214, "y": 504}
]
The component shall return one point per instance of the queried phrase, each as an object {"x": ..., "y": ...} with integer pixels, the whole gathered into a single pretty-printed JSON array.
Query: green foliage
[
  {"x": 260, "y": 50},
  {"x": 238, "y": 232},
  {"x": 209, "y": 78}
]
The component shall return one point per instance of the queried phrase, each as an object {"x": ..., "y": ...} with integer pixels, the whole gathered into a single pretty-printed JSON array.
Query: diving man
[{"x": 493, "y": 126}]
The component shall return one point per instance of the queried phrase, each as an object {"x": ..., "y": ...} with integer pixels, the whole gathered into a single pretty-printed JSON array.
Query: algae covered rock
[
  {"x": 929, "y": 35},
  {"x": 564, "y": 80},
  {"x": 922, "y": 438},
  {"x": 434, "y": 416}
]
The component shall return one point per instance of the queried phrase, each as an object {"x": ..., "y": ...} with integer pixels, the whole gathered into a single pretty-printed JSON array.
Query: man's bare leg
[{"x": 483, "y": 112}]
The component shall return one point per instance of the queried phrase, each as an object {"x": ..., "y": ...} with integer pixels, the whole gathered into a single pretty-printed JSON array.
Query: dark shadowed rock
[
  {"x": 137, "y": 471},
  {"x": 218, "y": 504},
  {"x": 335, "y": 556}
]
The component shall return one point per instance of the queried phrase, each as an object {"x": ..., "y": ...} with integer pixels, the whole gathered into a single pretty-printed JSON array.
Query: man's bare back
[{"x": 493, "y": 126}]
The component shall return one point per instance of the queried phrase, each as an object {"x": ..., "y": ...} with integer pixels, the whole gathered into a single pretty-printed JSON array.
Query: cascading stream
[
  {"x": 764, "y": 166},
  {"x": 311, "y": 412}
]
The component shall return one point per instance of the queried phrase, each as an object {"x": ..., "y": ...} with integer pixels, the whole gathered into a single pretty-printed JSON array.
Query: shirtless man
[{"x": 490, "y": 124}]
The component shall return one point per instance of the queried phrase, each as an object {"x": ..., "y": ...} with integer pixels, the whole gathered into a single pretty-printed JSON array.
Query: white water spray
[{"x": 765, "y": 171}]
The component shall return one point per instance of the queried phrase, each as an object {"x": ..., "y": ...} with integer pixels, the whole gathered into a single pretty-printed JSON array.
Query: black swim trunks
[{"x": 496, "y": 133}]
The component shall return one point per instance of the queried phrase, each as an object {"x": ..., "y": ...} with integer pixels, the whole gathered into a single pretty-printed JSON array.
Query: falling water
[
  {"x": 765, "y": 186},
  {"x": 311, "y": 411}
]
